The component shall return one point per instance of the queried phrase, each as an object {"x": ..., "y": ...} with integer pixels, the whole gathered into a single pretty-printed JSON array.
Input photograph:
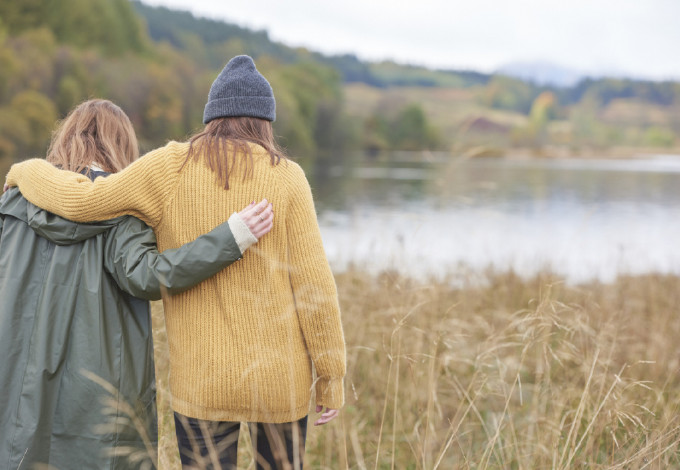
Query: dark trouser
[{"x": 213, "y": 444}]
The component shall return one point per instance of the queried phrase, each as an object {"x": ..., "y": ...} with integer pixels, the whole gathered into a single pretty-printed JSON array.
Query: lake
[{"x": 431, "y": 215}]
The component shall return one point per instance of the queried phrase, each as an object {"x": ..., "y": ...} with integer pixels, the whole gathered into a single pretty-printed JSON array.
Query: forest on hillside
[{"x": 157, "y": 64}]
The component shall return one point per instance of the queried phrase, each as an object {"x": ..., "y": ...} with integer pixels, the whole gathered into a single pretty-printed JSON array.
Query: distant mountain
[
  {"x": 543, "y": 73},
  {"x": 546, "y": 73}
]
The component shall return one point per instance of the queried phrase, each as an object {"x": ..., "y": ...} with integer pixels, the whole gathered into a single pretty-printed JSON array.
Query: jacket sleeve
[
  {"x": 2, "y": 217},
  {"x": 316, "y": 298},
  {"x": 140, "y": 189},
  {"x": 132, "y": 258}
]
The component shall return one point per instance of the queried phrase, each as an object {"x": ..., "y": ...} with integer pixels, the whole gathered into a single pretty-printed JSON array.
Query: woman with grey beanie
[{"x": 247, "y": 345}]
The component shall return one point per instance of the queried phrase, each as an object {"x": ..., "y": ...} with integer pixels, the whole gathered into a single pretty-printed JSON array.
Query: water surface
[{"x": 580, "y": 218}]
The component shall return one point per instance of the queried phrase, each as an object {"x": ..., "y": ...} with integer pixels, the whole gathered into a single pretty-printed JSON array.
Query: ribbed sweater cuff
[
  {"x": 242, "y": 234},
  {"x": 330, "y": 393}
]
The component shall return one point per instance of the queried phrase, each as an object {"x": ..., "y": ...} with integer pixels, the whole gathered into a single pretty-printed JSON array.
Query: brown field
[{"x": 501, "y": 374}]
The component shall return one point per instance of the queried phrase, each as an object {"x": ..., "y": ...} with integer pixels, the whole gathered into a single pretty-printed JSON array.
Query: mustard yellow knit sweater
[{"x": 242, "y": 343}]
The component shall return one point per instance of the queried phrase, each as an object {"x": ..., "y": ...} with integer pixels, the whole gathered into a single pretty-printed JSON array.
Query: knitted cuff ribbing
[
  {"x": 330, "y": 392},
  {"x": 242, "y": 234}
]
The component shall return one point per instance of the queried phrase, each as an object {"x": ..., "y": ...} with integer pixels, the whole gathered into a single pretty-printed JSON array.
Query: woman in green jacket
[{"x": 77, "y": 376}]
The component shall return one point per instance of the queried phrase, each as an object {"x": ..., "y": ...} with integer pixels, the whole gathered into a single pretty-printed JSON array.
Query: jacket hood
[{"x": 47, "y": 225}]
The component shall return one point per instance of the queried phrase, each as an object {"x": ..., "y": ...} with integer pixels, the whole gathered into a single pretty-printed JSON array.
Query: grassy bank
[{"x": 522, "y": 374}]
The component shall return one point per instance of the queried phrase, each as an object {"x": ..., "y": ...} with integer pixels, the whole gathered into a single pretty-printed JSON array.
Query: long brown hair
[
  {"x": 222, "y": 140},
  {"x": 96, "y": 131}
]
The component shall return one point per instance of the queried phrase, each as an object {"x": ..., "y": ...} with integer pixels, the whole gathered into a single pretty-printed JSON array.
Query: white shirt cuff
[{"x": 242, "y": 234}]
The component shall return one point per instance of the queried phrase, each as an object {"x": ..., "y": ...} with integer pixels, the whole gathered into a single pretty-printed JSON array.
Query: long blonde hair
[
  {"x": 96, "y": 131},
  {"x": 222, "y": 139}
]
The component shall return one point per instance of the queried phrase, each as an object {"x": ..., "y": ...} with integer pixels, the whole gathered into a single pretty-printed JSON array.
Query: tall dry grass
[{"x": 501, "y": 374}]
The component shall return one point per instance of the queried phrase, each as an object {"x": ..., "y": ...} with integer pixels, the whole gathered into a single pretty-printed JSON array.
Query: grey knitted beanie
[{"x": 240, "y": 90}]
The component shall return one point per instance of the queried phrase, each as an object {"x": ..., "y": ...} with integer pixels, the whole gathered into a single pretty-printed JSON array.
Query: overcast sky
[{"x": 634, "y": 37}]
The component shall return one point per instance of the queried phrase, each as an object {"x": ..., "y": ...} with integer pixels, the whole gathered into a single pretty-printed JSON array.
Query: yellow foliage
[{"x": 543, "y": 108}]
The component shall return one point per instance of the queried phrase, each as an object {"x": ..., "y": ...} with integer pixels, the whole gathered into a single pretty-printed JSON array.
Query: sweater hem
[{"x": 192, "y": 410}]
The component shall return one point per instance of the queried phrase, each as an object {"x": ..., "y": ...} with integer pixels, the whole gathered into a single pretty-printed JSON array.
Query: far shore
[
  {"x": 544, "y": 153},
  {"x": 587, "y": 153}
]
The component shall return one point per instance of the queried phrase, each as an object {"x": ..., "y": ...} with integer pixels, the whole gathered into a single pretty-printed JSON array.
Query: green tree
[
  {"x": 375, "y": 134},
  {"x": 163, "y": 105},
  {"x": 110, "y": 25},
  {"x": 508, "y": 93},
  {"x": 656, "y": 136},
  {"x": 10, "y": 65},
  {"x": 23, "y": 15},
  {"x": 410, "y": 130},
  {"x": 309, "y": 108},
  {"x": 40, "y": 115},
  {"x": 26, "y": 125},
  {"x": 14, "y": 133}
]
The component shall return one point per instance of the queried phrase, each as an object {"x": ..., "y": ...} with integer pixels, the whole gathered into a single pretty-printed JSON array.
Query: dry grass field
[{"x": 506, "y": 373}]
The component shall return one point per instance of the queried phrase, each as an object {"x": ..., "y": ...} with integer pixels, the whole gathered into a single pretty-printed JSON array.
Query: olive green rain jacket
[{"x": 76, "y": 358}]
